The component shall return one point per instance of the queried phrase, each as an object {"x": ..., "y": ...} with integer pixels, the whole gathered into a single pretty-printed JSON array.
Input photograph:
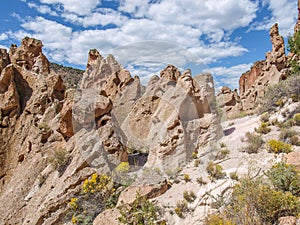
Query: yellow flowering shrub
[
  {"x": 73, "y": 204},
  {"x": 97, "y": 183},
  {"x": 97, "y": 192},
  {"x": 279, "y": 146}
]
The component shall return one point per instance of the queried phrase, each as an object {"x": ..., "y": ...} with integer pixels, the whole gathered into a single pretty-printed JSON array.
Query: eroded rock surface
[{"x": 253, "y": 83}]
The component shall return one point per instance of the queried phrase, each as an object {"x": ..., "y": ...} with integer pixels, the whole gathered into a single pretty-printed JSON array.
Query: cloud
[
  {"x": 55, "y": 36},
  {"x": 79, "y": 7},
  {"x": 3, "y": 37},
  {"x": 144, "y": 35},
  {"x": 44, "y": 9},
  {"x": 137, "y": 8},
  {"x": 229, "y": 76},
  {"x": 106, "y": 17},
  {"x": 283, "y": 12}
]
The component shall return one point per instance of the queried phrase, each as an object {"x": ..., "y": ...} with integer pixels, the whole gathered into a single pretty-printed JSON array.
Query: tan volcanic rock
[
  {"x": 4, "y": 59},
  {"x": 9, "y": 97},
  {"x": 108, "y": 77},
  {"x": 33, "y": 107},
  {"x": 277, "y": 56},
  {"x": 29, "y": 55},
  {"x": 248, "y": 78},
  {"x": 170, "y": 73},
  {"x": 98, "y": 70},
  {"x": 253, "y": 83},
  {"x": 229, "y": 101},
  {"x": 167, "y": 120}
]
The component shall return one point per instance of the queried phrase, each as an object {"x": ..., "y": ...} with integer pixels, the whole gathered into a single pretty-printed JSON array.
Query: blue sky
[{"x": 224, "y": 37}]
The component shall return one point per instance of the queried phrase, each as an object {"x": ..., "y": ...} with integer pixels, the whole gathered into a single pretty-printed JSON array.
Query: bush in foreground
[{"x": 261, "y": 199}]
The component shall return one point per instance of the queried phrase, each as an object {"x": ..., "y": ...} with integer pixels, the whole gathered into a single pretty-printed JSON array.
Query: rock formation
[
  {"x": 36, "y": 120},
  {"x": 247, "y": 79},
  {"x": 253, "y": 83},
  {"x": 92, "y": 126}
]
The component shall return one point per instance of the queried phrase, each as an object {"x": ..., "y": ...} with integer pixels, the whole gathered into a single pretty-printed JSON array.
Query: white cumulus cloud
[
  {"x": 283, "y": 12},
  {"x": 80, "y": 7}
]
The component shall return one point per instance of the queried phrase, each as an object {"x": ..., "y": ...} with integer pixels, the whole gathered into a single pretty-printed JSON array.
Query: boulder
[
  {"x": 293, "y": 158},
  {"x": 108, "y": 216},
  {"x": 150, "y": 185}
]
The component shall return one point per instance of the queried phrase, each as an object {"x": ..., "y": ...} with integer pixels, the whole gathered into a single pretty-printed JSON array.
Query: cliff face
[{"x": 91, "y": 128}]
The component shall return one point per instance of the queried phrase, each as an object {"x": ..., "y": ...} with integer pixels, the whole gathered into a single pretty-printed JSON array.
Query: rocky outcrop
[
  {"x": 247, "y": 79},
  {"x": 4, "y": 59},
  {"x": 229, "y": 101},
  {"x": 253, "y": 83},
  {"x": 277, "y": 56},
  {"x": 170, "y": 120},
  {"x": 30, "y": 56},
  {"x": 170, "y": 73},
  {"x": 36, "y": 122},
  {"x": 92, "y": 128}
]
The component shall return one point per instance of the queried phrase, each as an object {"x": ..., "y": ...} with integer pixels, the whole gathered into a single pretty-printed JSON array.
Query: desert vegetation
[{"x": 261, "y": 200}]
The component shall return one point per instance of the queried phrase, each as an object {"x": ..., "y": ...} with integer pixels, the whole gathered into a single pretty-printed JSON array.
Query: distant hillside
[{"x": 71, "y": 76}]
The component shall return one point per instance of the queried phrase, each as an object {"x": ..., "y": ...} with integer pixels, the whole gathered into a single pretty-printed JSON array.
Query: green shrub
[
  {"x": 297, "y": 119},
  {"x": 60, "y": 159},
  {"x": 285, "y": 177},
  {"x": 285, "y": 134},
  {"x": 121, "y": 174},
  {"x": 234, "y": 176},
  {"x": 265, "y": 117},
  {"x": 201, "y": 181},
  {"x": 189, "y": 196},
  {"x": 253, "y": 202},
  {"x": 142, "y": 211},
  {"x": 222, "y": 154},
  {"x": 279, "y": 102},
  {"x": 254, "y": 143},
  {"x": 44, "y": 127},
  {"x": 215, "y": 171},
  {"x": 195, "y": 155},
  {"x": 222, "y": 145},
  {"x": 287, "y": 124},
  {"x": 197, "y": 162},
  {"x": 295, "y": 97},
  {"x": 186, "y": 177},
  {"x": 263, "y": 128},
  {"x": 294, "y": 47},
  {"x": 279, "y": 146},
  {"x": 261, "y": 200},
  {"x": 281, "y": 90},
  {"x": 181, "y": 208},
  {"x": 294, "y": 140}
]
